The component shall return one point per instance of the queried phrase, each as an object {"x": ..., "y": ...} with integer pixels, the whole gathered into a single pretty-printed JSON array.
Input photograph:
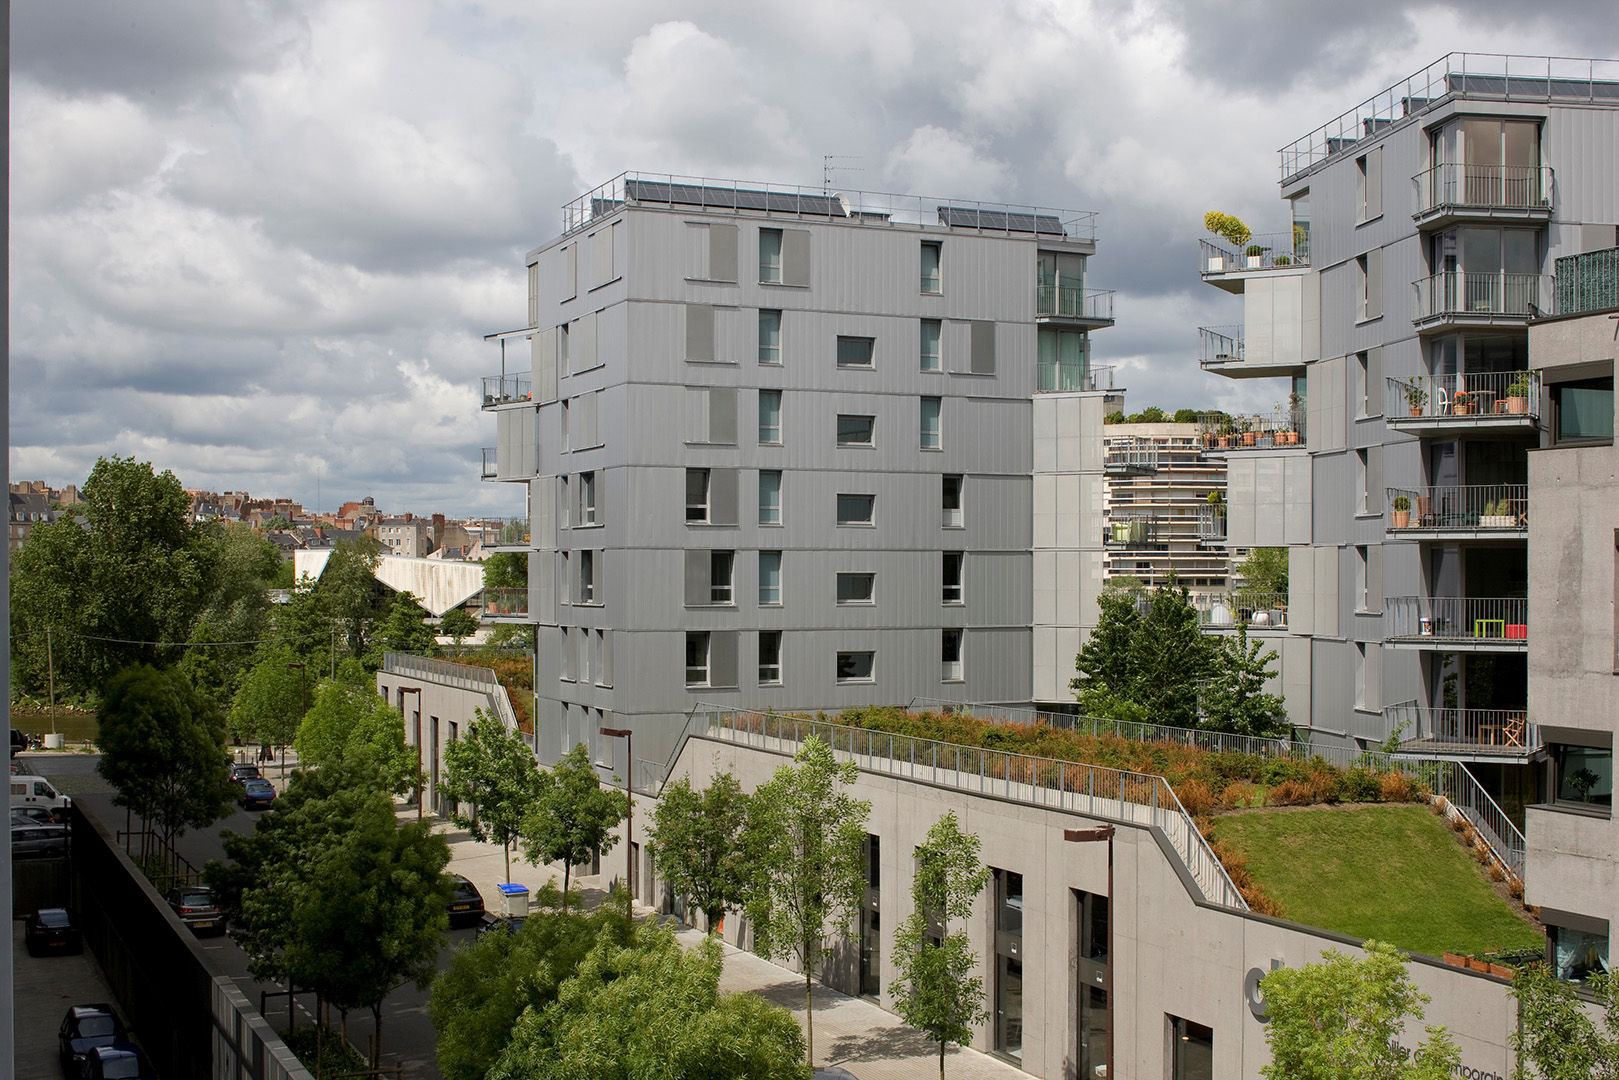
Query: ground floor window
[
  {"x": 1191, "y": 1050},
  {"x": 1576, "y": 955}
]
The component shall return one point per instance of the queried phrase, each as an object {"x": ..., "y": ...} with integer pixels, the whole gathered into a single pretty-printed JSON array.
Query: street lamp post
[
  {"x": 629, "y": 809},
  {"x": 1104, "y": 833},
  {"x": 303, "y": 707},
  {"x": 403, "y": 690}
]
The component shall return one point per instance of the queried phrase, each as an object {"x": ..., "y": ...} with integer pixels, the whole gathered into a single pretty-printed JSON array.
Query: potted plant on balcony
[
  {"x": 1516, "y": 399},
  {"x": 1256, "y": 255},
  {"x": 1415, "y": 396},
  {"x": 1231, "y": 230},
  {"x": 1246, "y": 427},
  {"x": 1400, "y": 512},
  {"x": 1461, "y": 403},
  {"x": 1497, "y": 515}
]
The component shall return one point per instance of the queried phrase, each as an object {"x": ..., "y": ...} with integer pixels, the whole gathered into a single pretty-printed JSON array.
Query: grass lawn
[{"x": 1394, "y": 873}]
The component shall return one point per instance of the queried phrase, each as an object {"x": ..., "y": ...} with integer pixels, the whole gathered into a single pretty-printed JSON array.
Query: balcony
[
  {"x": 1136, "y": 532},
  {"x": 1507, "y": 401},
  {"x": 491, "y": 463},
  {"x": 1221, "y": 433},
  {"x": 1470, "y": 512},
  {"x": 1126, "y": 455},
  {"x": 512, "y": 535},
  {"x": 514, "y": 389},
  {"x": 1485, "y": 734},
  {"x": 1071, "y": 376},
  {"x": 1588, "y": 282},
  {"x": 1463, "y": 298},
  {"x": 1211, "y": 524},
  {"x": 1457, "y": 624},
  {"x": 1224, "y": 267},
  {"x": 1449, "y": 193},
  {"x": 505, "y": 605},
  {"x": 1083, "y": 307},
  {"x": 1250, "y": 610}
]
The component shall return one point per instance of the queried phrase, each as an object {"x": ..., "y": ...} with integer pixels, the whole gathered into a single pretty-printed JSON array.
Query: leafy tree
[
  {"x": 936, "y": 991},
  {"x": 491, "y": 770},
  {"x": 1341, "y": 1019},
  {"x": 343, "y": 718},
  {"x": 351, "y": 593},
  {"x": 269, "y": 703},
  {"x": 1106, "y": 666},
  {"x": 506, "y": 570},
  {"x": 1170, "y": 653},
  {"x": 574, "y": 817},
  {"x": 163, "y": 748},
  {"x": 1185, "y": 416},
  {"x": 1556, "y": 1039},
  {"x": 1235, "y": 699},
  {"x": 653, "y": 1010},
  {"x": 804, "y": 838},
  {"x": 305, "y": 622},
  {"x": 487, "y": 986},
  {"x": 404, "y": 629},
  {"x": 1264, "y": 571},
  {"x": 277, "y": 521},
  {"x": 458, "y": 624},
  {"x": 237, "y": 612},
  {"x": 697, "y": 844}
]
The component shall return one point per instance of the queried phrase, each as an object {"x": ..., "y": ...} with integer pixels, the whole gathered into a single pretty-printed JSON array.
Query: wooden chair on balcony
[{"x": 1516, "y": 727}]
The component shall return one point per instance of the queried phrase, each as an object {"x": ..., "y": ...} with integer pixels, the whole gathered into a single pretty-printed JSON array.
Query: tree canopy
[
  {"x": 1236, "y": 700},
  {"x": 1556, "y": 1039},
  {"x": 574, "y": 817},
  {"x": 458, "y": 624},
  {"x": 1264, "y": 571},
  {"x": 697, "y": 844},
  {"x": 1145, "y": 659},
  {"x": 268, "y": 705},
  {"x": 403, "y": 629},
  {"x": 491, "y": 772},
  {"x": 344, "y": 718}
]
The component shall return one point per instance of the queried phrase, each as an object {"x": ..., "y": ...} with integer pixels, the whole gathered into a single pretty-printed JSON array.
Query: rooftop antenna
[{"x": 827, "y": 169}]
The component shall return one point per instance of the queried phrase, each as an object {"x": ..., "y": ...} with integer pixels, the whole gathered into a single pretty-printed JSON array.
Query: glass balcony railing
[
  {"x": 1462, "y": 295},
  {"x": 1252, "y": 609},
  {"x": 1459, "y": 187},
  {"x": 506, "y": 389},
  {"x": 1266, "y": 251},
  {"x": 491, "y": 463},
  {"x": 1126, "y": 455},
  {"x": 1470, "y": 507},
  {"x": 1057, "y": 376},
  {"x": 1465, "y": 729},
  {"x": 1479, "y": 622},
  {"x": 1081, "y": 305},
  {"x": 1211, "y": 521},
  {"x": 1464, "y": 399},
  {"x": 1221, "y": 345},
  {"x": 1137, "y": 532},
  {"x": 505, "y": 603}
]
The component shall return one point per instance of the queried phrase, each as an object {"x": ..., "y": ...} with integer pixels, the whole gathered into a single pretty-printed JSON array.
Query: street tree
[
  {"x": 1342, "y": 1019},
  {"x": 936, "y": 991},
  {"x": 574, "y": 817},
  {"x": 1556, "y": 1039},
  {"x": 163, "y": 749},
  {"x": 458, "y": 624},
  {"x": 237, "y": 612},
  {"x": 804, "y": 838},
  {"x": 697, "y": 846},
  {"x": 491, "y": 771},
  {"x": 343, "y": 718},
  {"x": 403, "y": 629},
  {"x": 269, "y": 703},
  {"x": 350, "y": 593},
  {"x": 1236, "y": 700},
  {"x": 651, "y": 1010}
]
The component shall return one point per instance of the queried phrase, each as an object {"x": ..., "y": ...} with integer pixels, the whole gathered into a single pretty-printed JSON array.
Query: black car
[
  {"x": 38, "y": 815},
  {"x": 51, "y": 930},
  {"x": 38, "y": 841},
  {"x": 194, "y": 904},
  {"x": 466, "y": 902},
  {"x": 84, "y": 1028},
  {"x": 241, "y": 773},
  {"x": 19, "y": 742},
  {"x": 120, "y": 1061}
]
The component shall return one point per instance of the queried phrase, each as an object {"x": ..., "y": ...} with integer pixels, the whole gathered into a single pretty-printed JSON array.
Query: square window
[
  {"x": 856, "y": 509},
  {"x": 931, "y": 330},
  {"x": 1584, "y": 775},
  {"x": 720, "y": 566},
  {"x": 697, "y": 658},
  {"x": 1583, "y": 411},
  {"x": 950, "y": 656},
  {"x": 770, "y": 417},
  {"x": 856, "y": 352},
  {"x": 931, "y": 257},
  {"x": 769, "y": 657},
  {"x": 854, "y": 588},
  {"x": 769, "y": 498},
  {"x": 856, "y": 666},
  {"x": 951, "y": 502},
  {"x": 856, "y": 430},
  {"x": 697, "y": 495},
  {"x": 770, "y": 578},
  {"x": 953, "y": 561},
  {"x": 930, "y": 422},
  {"x": 770, "y": 256},
  {"x": 770, "y": 337}
]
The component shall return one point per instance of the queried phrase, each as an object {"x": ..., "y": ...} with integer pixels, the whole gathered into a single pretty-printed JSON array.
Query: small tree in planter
[
  {"x": 1517, "y": 395},
  {"x": 1415, "y": 396},
  {"x": 1228, "y": 228},
  {"x": 1401, "y": 507}
]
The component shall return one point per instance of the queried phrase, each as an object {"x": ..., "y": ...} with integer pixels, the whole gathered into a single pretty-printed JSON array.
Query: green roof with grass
[{"x": 1394, "y": 873}]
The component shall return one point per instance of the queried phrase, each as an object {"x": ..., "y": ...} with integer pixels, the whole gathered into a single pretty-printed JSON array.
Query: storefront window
[{"x": 1009, "y": 964}]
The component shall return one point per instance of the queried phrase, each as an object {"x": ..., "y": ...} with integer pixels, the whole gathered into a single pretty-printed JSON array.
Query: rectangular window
[
  {"x": 1191, "y": 1050},
  {"x": 1576, "y": 955},
  {"x": 855, "y": 667},
  {"x": 770, "y": 417},
  {"x": 856, "y": 509},
  {"x": 855, "y": 352},
  {"x": 854, "y": 588},
  {"x": 1584, "y": 411},
  {"x": 1009, "y": 964},
  {"x": 566, "y": 660},
  {"x": 696, "y": 658},
  {"x": 1369, "y": 184},
  {"x": 769, "y": 497},
  {"x": 951, "y": 502},
  {"x": 931, "y": 329},
  {"x": 931, "y": 281},
  {"x": 770, "y": 578},
  {"x": 770, "y": 337},
  {"x": 604, "y": 658},
  {"x": 587, "y": 577},
  {"x": 950, "y": 656},
  {"x": 930, "y": 422},
  {"x": 770, "y": 256},
  {"x": 697, "y": 494},
  {"x": 1584, "y": 775},
  {"x": 587, "y": 498},
  {"x": 770, "y": 658},
  {"x": 856, "y": 430},
  {"x": 1369, "y": 267},
  {"x": 721, "y": 564},
  {"x": 953, "y": 561},
  {"x": 1363, "y": 474}
]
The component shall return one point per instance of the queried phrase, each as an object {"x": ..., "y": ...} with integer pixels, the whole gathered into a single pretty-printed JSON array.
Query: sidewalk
[{"x": 851, "y": 1033}]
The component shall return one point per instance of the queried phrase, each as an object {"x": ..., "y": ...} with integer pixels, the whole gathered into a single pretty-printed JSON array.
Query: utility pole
[
  {"x": 50, "y": 676},
  {"x": 629, "y": 811}
]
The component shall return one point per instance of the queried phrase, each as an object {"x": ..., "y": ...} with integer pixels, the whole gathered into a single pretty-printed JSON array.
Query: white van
[{"x": 37, "y": 791}]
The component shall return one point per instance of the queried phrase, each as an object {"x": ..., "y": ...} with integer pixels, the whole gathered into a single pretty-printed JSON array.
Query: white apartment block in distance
[{"x": 780, "y": 447}]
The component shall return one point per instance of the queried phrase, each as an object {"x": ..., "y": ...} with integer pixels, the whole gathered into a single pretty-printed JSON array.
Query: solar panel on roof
[
  {"x": 965, "y": 217},
  {"x": 721, "y": 198}
]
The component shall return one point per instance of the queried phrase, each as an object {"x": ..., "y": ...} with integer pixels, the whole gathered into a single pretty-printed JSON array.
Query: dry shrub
[
  {"x": 1324, "y": 786},
  {"x": 1205, "y": 825},
  {"x": 1236, "y": 868},
  {"x": 1397, "y": 787},
  {"x": 1496, "y": 873},
  {"x": 1237, "y": 794},
  {"x": 1459, "y": 824},
  {"x": 1515, "y": 888},
  {"x": 1196, "y": 797},
  {"x": 1290, "y": 793}
]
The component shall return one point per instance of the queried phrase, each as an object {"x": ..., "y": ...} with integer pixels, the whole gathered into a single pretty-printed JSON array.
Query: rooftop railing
[
  {"x": 1264, "y": 251},
  {"x": 1505, "y": 730},
  {"x": 505, "y": 389},
  {"x": 1491, "y": 75},
  {"x": 1220, "y": 431},
  {"x": 1478, "y": 507},
  {"x": 1476, "y": 621},
  {"x": 1464, "y": 399},
  {"x": 1221, "y": 344},
  {"x": 1462, "y": 294},
  {"x": 865, "y": 207},
  {"x": 1587, "y": 282},
  {"x": 462, "y": 676},
  {"x": 1081, "y": 305},
  {"x": 1483, "y": 187}
]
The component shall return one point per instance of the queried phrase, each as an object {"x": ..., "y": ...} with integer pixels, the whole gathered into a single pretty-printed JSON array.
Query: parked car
[
  {"x": 257, "y": 795},
  {"x": 84, "y": 1028},
  {"x": 195, "y": 906},
  {"x": 38, "y": 815},
  {"x": 241, "y": 773},
  {"x": 466, "y": 902},
  {"x": 51, "y": 930},
  {"x": 19, "y": 742},
  {"x": 499, "y": 924},
  {"x": 120, "y": 1061},
  {"x": 27, "y": 790},
  {"x": 33, "y": 841}
]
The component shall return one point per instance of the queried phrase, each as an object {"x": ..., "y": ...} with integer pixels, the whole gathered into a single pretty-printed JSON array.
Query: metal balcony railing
[
  {"x": 491, "y": 463},
  {"x": 1219, "y": 431},
  {"x": 505, "y": 603},
  {"x": 1464, "y": 294},
  {"x": 505, "y": 389},
  {"x": 1464, "y": 399},
  {"x": 1472, "y": 506},
  {"x": 1252, "y": 609},
  {"x": 505, "y": 533},
  {"x": 1264, "y": 251},
  {"x": 1470, "y": 620},
  {"x": 1588, "y": 281},
  {"x": 1085, "y": 305},
  {"x": 1129, "y": 455},
  {"x": 1211, "y": 521},
  {"x": 1078, "y": 375},
  {"x": 1496, "y": 729},
  {"x": 1221, "y": 345},
  {"x": 1135, "y": 531},
  {"x": 1483, "y": 187}
]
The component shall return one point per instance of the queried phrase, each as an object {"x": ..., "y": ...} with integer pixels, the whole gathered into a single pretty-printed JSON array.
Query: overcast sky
[{"x": 260, "y": 243}]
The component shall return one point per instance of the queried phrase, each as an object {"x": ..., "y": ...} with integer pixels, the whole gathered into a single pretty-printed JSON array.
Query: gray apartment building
[{"x": 780, "y": 447}]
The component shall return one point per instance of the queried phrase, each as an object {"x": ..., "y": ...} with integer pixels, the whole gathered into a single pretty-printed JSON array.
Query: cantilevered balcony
[
  {"x": 510, "y": 389},
  {"x": 1221, "y": 433},
  {"x": 1459, "y": 512},
  {"x": 1457, "y": 624},
  {"x": 512, "y": 535},
  {"x": 1211, "y": 524},
  {"x": 1127, "y": 455},
  {"x": 491, "y": 463},
  {"x": 1074, "y": 375},
  {"x": 1437, "y": 405},
  {"x": 1485, "y": 734},
  {"x": 1252, "y": 610},
  {"x": 1465, "y": 298},
  {"x": 1080, "y": 307},
  {"x": 505, "y": 605},
  {"x": 1454, "y": 192},
  {"x": 1136, "y": 532},
  {"x": 1225, "y": 267}
]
